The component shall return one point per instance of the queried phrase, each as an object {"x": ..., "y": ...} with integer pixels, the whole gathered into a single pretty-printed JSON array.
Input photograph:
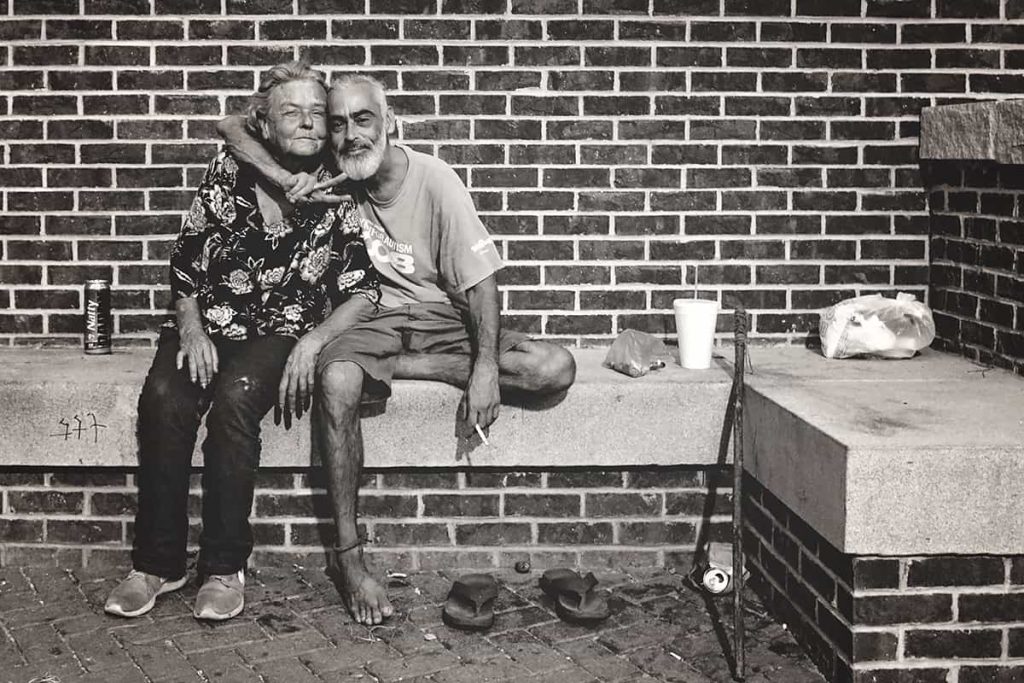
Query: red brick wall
[
  {"x": 977, "y": 251},
  {"x": 417, "y": 519},
  {"x": 619, "y": 149}
]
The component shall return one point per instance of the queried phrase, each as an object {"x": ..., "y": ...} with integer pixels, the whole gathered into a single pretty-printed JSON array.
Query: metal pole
[{"x": 740, "y": 347}]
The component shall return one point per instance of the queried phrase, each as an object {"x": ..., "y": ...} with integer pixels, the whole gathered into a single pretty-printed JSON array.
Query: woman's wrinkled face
[{"x": 296, "y": 122}]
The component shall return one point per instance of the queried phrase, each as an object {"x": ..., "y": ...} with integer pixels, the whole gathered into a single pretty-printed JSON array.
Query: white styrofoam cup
[{"x": 695, "y": 328}]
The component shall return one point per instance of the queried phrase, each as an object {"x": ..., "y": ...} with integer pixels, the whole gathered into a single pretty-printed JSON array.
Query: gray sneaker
[
  {"x": 137, "y": 593},
  {"x": 221, "y": 597}
]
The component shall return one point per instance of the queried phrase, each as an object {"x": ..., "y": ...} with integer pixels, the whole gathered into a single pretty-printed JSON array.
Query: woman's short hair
[{"x": 259, "y": 103}]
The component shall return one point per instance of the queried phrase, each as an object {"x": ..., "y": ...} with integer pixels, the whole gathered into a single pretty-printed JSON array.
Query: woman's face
[{"x": 296, "y": 123}]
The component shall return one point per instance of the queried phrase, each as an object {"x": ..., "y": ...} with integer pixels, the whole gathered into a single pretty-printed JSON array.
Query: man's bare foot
[{"x": 365, "y": 598}]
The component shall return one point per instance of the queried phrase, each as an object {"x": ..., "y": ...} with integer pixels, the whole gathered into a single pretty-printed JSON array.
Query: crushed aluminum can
[{"x": 714, "y": 571}]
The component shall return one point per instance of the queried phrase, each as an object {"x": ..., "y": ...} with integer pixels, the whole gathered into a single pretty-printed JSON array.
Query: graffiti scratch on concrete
[{"x": 74, "y": 428}]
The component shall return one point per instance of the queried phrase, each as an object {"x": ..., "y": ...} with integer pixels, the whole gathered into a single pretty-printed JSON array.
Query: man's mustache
[{"x": 348, "y": 149}]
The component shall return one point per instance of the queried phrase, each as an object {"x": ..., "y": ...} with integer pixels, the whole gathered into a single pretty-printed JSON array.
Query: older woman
[{"x": 252, "y": 278}]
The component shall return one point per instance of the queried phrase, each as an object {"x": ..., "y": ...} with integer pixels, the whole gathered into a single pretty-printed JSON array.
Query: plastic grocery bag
[
  {"x": 636, "y": 353},
  {"x": 876, "y": 326}
]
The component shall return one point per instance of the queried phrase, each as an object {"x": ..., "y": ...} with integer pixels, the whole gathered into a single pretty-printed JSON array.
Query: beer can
[
  {"x": 716, "y": 580},
  {"x": 713, "y": 572},
  {"x": 98, "y": 322}
]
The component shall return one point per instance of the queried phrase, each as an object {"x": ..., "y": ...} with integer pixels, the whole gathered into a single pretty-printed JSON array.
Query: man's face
[
  {"x": 359, "y": 130},
  {"x": 296, "y": 123}
]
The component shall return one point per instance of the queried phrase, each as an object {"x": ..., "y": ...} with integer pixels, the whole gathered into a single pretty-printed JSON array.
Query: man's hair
[
  {"x": 379, "y": 91},
  {"x": 259, "y": 103}
]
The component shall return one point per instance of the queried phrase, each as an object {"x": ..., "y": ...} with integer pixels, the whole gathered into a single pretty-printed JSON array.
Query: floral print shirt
[{"x": 254, "y": 279}]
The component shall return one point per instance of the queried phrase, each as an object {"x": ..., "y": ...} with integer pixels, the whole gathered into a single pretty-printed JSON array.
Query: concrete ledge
[
  {"x": 670, "y": 417},
  {"x": 919, "y": 456},
  {"x": 914, "y": 457},
  {"x": 984, "y": 131}
]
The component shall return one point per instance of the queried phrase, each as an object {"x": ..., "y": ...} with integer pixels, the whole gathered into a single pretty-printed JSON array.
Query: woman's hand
[
  {"x": 320, "y": 193},
  {"x": 303, "y": 188},
  {"x": 298, "y": 186},
  {"x": 198, "y": 350}
]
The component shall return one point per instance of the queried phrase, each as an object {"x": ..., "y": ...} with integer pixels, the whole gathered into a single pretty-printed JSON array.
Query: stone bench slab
[
  {"x": 912, "y": 457},
  {"x": 670, "y": 417},
  {"x": 918, "y": 456}
]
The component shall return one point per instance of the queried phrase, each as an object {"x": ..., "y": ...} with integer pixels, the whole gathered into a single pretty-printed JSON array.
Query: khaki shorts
[{"x": 376, "y": 341}]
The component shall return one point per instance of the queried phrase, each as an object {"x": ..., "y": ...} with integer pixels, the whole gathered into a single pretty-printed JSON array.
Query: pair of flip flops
[{"x": 470, "y": 603}]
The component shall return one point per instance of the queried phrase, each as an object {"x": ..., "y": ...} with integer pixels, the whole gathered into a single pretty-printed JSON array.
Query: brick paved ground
[{"x": 52, "y": 628}]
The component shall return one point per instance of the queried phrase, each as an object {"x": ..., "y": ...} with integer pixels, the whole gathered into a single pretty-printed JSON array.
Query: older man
[
  {"x": 439, "y": 312},
  {"x": 252, "y": 277}
]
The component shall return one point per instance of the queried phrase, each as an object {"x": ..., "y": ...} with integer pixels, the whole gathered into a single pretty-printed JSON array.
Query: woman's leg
[
  {"x": 244, "y": 391},
  {"x": 170, "y": 409}
]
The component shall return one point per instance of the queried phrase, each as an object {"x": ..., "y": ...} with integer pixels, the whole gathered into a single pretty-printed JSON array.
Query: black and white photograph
[{"x": 457, "y": 341}]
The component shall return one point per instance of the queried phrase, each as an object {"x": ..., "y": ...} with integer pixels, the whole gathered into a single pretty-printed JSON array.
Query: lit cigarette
[{"x": 483, "y": 437}]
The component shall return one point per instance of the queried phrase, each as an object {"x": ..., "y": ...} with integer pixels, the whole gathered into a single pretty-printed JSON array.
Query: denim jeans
[{"x": 170, "y": 409}]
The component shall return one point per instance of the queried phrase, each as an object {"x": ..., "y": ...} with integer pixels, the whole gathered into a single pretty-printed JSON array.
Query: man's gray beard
[{"x": 364, "y": 165}]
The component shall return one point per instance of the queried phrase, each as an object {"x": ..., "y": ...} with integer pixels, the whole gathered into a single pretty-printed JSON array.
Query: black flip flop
[
  {"x": 470, "y": 603},
  {"x": 574, "y": 596}
]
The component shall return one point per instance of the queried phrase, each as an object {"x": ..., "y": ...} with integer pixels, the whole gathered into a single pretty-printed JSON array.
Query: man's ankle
[{"x": 349, "y": 546}]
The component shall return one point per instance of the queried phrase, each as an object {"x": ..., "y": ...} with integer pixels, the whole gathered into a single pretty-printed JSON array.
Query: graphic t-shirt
[{"x": 427, "y": 243}]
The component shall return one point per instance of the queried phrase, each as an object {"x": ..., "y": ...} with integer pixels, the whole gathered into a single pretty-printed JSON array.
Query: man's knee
[
  {"x": 340, "y": 385},
  {"x": 562, "y": 367},
  {"x": 554, "y": 367}
]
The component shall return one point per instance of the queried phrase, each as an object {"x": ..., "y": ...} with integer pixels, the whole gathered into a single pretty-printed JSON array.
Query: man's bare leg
[
  {"x": 340, "y": 440},
  {"x": 533, "y": 367}
]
